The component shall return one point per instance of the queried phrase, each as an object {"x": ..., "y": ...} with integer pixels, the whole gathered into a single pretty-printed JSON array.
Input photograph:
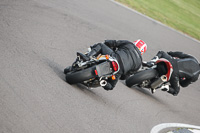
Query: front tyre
[
  {"x": 141, "y": 76},
  {"x": 80, "y": 76}
]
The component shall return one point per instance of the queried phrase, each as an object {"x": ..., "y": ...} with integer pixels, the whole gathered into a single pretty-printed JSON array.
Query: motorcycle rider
[
  {"x": 186, "y": 70},
  {"x": 128, "y": 55}
]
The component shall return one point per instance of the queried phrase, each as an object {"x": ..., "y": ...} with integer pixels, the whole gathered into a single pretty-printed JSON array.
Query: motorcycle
[
  {"x": 93, "y": 72},
  {"x": 149, "y": 77}
]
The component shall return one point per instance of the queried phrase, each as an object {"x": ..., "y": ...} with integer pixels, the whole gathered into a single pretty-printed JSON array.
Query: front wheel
[{"x": 141, "y": 76}]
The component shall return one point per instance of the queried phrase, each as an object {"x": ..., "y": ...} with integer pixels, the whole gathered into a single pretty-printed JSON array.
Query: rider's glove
[
  {"x": 154, "y": 59},
  {"x": 151, "y": 62},
  {"x": 148, "y": 64}
]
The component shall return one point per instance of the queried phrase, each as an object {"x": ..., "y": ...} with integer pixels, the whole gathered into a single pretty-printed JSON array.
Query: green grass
[{"x": 183, "y": 15}]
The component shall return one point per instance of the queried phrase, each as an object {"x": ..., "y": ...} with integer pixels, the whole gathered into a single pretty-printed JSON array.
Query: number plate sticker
[{"x": 104, "y": 69}]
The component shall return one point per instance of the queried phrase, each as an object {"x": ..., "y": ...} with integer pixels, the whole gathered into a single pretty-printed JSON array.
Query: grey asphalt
[{"x": 39, "y": 38}]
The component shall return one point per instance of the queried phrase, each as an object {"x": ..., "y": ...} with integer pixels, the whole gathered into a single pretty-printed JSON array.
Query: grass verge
[{"x": 182, "y": 15}]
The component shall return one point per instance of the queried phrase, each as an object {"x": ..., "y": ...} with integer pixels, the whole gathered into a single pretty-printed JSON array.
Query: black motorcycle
[
  {"x": 149, "y": 76},
  {"x": 93, "y": 72}
]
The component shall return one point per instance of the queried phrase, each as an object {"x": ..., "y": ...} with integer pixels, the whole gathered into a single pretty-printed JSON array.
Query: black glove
[
  {"x": 108, "y": 87},
  {"x": 154, "y": 59},
  {"x": 148, "y": 64}
]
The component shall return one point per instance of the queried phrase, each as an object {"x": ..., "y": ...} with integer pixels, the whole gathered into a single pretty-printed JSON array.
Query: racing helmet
[{"x": 141, "y": 45}]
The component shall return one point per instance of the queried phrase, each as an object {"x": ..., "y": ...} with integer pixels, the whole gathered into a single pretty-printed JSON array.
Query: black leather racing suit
[
  {"x": 126, "y": 53},
  {"x": 186, "y": 69}
]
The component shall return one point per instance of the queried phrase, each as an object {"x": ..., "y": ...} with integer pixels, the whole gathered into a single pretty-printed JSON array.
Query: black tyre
[
  {"x": 141, "y": 76},
  {"x": 80, "y": 76}
]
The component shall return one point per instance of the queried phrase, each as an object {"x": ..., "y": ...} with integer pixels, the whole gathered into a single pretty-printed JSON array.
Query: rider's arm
[
  {"x": 179, "y": 54},
  {"x": 115, "y": 43},
  {"x": 110, "y": 43}
]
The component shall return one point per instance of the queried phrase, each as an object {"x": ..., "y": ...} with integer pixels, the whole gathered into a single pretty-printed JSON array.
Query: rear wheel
[
  {"x": 141, "y": 76},
  {"x": 80, "y": 76}
]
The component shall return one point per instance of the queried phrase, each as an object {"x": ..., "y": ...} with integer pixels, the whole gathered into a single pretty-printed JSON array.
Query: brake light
[{"x": 114, "y": 65}]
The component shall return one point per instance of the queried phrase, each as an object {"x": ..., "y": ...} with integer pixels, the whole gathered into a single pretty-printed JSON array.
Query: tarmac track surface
[{"x": 39, "y": 38}]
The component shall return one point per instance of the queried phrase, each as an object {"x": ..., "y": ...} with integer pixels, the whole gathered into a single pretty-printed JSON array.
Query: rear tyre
[
  {"x": 80, "y": 76},
  {"x": 141, "y": 76}
]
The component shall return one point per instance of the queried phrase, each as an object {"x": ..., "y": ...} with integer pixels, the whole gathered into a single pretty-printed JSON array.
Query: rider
[
  {"x": 186, "y": 69},
  {"x": 128, "y": 55}
]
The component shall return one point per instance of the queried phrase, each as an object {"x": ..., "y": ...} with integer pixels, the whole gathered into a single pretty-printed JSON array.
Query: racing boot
[{"x": 165, "y": 88}]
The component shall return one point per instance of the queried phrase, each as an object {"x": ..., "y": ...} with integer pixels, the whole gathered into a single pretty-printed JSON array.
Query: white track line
[{"x": 162, "y": 126}]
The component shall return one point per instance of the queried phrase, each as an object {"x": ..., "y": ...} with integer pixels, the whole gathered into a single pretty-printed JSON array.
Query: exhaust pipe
[
  {"x": 158, "y": 82},
  {"x": 103, "y": 83}
]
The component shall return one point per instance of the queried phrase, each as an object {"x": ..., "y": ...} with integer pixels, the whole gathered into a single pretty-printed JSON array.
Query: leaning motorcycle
[
  {"x": 149, "y": 77},
  {"x": 94, "y": 72}
]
